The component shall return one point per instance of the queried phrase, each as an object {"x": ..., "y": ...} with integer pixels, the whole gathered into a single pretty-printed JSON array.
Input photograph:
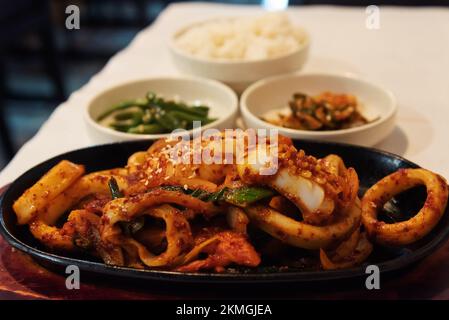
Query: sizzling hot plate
[{"x": 371, "y": 166}]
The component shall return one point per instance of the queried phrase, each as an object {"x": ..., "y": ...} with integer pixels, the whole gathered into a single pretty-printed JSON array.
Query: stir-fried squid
[{"x": 187, "y": 216}]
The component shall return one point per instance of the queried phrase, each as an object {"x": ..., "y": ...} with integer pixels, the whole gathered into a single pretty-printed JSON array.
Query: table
[{"x": 409, "y": 54}]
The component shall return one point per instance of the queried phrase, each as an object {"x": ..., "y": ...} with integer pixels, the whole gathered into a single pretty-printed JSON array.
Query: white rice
[{"x": 267, "y": 36}]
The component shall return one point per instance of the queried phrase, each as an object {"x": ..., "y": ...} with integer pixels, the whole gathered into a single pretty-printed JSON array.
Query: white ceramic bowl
[
  {"x": 274, "y": 93},
  {"x": 237, "y": 74},
  {"x": 222, "y": 101}
]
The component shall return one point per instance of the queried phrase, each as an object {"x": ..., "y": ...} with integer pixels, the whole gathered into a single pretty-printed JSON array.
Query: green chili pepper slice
[
  {"x": 114, "y": 189},
  {"x": 247, "y": 195},
  {"x": 147, "y": 129}
]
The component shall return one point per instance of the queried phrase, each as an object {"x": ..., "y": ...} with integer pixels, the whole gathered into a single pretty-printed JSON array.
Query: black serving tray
[{"x": 371, "y": 166}]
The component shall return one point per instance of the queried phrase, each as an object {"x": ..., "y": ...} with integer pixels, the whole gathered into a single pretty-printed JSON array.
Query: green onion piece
[
  {"x": 200, "y": 194},
  {"x": 173, "y": 188},
  {"x": 247, "y": 195},
  {"x": 240, "y": 196},
  {"x": 130, "y": 227},
  {"x": 217, "y": 196},
  {"x": 114, "y": 189}
]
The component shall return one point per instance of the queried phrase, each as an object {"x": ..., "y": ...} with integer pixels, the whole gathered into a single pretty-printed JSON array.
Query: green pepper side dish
[{"x": 153, "y": 115}]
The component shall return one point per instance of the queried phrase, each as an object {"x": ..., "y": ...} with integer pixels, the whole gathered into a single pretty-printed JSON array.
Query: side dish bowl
[
  {"x": 221, "y": 100},
  {"x": 377, "y": 105},
  {"x": 237, "y": 74}
]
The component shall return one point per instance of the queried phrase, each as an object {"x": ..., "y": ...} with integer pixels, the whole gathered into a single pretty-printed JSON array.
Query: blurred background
[{"x": 41, "y": 62}]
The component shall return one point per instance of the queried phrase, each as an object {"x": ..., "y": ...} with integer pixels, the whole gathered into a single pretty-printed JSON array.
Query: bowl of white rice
[{"x": 240, "y": 50}]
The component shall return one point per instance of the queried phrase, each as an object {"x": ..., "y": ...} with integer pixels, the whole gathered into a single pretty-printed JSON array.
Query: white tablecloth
[{"x": 409, "y": 54}]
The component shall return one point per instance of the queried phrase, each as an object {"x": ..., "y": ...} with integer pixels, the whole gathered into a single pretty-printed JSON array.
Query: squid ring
[
  {"x": 303, "y": 235},
  {"x": 42, "y": 227},
  {"x": 53, "y": 237},
  {"x": 126, "y": 209},
  {"x": 362, "y": 248},
  {"x": 92, "y": 183},
  {"x": 61, "y": 238},
  {"x": 405, "y": 232},
  {"x": 179, "y": 238}
]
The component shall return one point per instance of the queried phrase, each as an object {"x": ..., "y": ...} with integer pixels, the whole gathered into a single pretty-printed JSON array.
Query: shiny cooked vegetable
[
  {"x": 326, "y": 111},
  {"x": 153, "y": 115},
  {"x": 240, "y": 197},
  {"x": 114, "y": 189}
]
